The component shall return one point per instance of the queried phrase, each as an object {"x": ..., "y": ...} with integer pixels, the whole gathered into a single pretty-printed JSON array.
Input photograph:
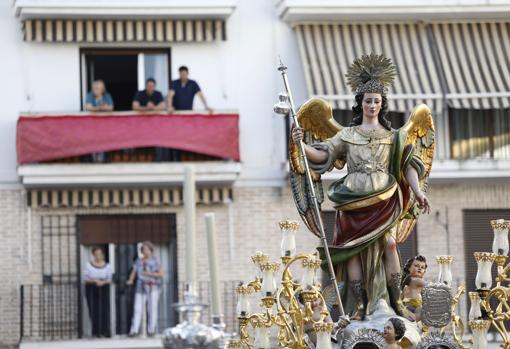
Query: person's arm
[
  {"x": 170, "y": 101},
  {"x": 136, "y": 106},
  {"x": 204, "y": 101},
  {"x": 315, "y": 155},
  {"x": 90, "y": 107},
  {"x": 160, "y": 106},
  {"x": 412, "y": 179},
  {"x": 417, "y": 282},
  {"x": 130, "y": 281},
  {"x": 106, "y": 107}
]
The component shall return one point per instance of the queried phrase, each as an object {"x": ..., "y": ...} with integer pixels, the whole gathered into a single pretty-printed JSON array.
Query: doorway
[
  {"x": 121, "y": 235},
  {"x": 124, "y": 72}
]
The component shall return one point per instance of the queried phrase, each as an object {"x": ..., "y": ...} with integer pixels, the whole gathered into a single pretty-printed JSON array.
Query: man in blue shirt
[
  {"x": 149, "y": 99},
  {"x": 183, "y": 91}
]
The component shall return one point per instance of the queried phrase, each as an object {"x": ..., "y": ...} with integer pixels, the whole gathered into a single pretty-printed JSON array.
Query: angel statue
[{"x": 378, "y": 201}]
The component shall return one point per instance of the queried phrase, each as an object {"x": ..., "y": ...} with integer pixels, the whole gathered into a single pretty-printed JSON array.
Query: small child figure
[
  {"x": 413, "y": 283},
  {"x": 394, "y": 331}
]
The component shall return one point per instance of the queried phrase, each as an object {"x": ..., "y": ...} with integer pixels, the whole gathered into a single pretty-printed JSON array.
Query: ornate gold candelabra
[
  {"x": 294, "y": 309},
  {"x": 490, "y": 305}
]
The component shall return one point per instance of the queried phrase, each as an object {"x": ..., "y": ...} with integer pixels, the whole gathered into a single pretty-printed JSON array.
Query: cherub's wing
[
  {"x": 419, "y": 131},
  {"x": 329, "y": 295},
  {"x": 316, "y": 118}
]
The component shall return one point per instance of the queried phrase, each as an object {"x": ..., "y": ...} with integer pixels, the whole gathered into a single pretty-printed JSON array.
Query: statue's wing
[
  {"x": 418, "y": 131},
  {"x": 329, "y": 294},
  {"x": 316, "y": 118}
]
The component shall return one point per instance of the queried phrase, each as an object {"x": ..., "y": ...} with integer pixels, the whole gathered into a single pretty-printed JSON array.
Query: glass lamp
[
  {"x": 500, "y": 243},
  {"x": 243, "y": 303},
  {"x": 445, "y": 272},
  {"x": 288, "y": 246},
  {"x": 310, "y": 266},
  {"x": 262, "y": 340},
  {"x": 475, "y": 311},
  {"x": 323, "y": 330},
  {"x": 268, "y": 278},
  {"x": 479, "y": 329},
  {"x": 483, "y": 279},
  {"x": 259, "y": 258}
]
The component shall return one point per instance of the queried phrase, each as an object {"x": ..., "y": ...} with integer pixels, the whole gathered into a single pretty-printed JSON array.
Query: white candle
[
  {"x": 213, "y": 263},
  {"x": 189, "y": 209}
]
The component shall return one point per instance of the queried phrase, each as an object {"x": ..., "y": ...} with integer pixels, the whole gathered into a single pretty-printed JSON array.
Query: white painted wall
[{"x": 237, "y": 74}]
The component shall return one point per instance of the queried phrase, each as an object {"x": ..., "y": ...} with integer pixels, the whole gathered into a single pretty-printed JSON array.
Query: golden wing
[
  {"x": 316, "y": 118},
  {"x": 419, "y": 131}
]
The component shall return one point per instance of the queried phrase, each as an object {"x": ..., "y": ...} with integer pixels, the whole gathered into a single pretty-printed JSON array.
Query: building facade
[{"x": 452, "y": 55}]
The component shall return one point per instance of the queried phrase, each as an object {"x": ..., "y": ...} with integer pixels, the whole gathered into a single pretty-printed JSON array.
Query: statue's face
[
  {"x": 417, "y": 269},
  {"x": 372, "y": 103},
  {"x": 389, "y": 331}
]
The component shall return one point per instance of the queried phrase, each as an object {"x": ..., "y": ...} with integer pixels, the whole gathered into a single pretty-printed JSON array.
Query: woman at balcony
[
  {"x": 98, "y": 99},
  {"x": 149, "y": 274},
  {"x": 98, "y": 277},
  {"x": 378, "y": 201}
]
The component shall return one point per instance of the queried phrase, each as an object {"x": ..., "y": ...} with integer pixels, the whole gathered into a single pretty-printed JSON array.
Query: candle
[
  {"x": 213, "y": 264},
  {"x": 262, "y": 340},
  {"x": 189, "y": 209}
]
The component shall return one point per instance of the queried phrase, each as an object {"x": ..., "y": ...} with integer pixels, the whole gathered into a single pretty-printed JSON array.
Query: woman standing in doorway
[
  {"x": 98, "y": 277},
  {"x": 149, "y": 275}
]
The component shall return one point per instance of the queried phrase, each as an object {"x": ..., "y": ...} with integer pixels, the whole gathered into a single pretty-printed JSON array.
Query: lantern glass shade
[
  {"x": 445, "y": 269},
  {"x": 323, "y": 340},
  {"x": 288, "y": 246},
  {"x": 475, "y": 311},
  {"x": 479, "y": 328},
  {"x": 500, "y": 242},
  {"x": 268, "y": 283},
  {"x": 484, "y": 261},
  {"x": 308, "y": 279},
  {"x": 243, "y": 305},
  {"x": 262, "y": 340}
]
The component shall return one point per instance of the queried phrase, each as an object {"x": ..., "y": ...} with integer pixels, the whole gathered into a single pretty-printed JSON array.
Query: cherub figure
[
  {"x": 394, "y": 331},
  {"x": 413, "y": 283}
]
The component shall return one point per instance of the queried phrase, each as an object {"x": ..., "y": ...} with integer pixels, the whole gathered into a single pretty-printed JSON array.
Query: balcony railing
[
  {"x": 51, "y": 312},
  {"x": 126, "y": 137}
]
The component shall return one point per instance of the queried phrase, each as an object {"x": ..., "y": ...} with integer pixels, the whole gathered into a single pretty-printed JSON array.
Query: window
[
  {"x": 124, "y": 72},
  {"x": 483, "y": 134}
]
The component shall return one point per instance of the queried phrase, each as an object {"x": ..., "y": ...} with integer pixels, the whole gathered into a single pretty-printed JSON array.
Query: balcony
[{"x": 126, "y": 148}]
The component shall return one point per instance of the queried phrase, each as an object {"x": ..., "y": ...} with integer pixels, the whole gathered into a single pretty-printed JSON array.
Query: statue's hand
[
  {"x": 297, "y": 134},
  {"x": 423, "y": 202}
]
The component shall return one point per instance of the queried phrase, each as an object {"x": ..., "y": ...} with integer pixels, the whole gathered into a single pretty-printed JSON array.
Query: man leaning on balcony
[
  {"x": 183, "y": 91},
  {"x": 149, "y": 99}
]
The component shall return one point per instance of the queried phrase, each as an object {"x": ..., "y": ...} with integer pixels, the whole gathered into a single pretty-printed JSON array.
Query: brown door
[{"x": 123, "y": 233}]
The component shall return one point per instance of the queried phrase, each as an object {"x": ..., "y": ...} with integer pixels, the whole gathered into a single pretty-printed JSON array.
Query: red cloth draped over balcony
[{"x": 49, "y": 137}]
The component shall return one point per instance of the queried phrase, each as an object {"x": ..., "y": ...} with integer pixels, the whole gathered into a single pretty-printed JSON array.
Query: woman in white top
[{"x": 98, "y": 277}]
